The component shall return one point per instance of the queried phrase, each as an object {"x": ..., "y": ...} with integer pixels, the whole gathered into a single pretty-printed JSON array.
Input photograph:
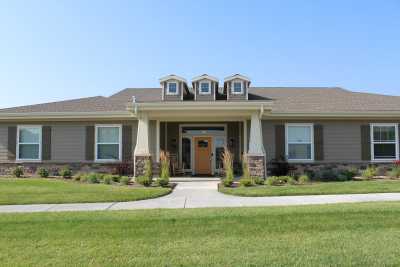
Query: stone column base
[
  {"x": 140, "y": 162},
  {"x": 256, "y": 165}
]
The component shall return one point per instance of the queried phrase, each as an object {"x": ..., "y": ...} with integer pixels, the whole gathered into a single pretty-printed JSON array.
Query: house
[{"x": 196, "y": 121}]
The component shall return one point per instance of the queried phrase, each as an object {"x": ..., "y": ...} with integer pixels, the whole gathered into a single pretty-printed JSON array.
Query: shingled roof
[{"x": 316, "y": 100}]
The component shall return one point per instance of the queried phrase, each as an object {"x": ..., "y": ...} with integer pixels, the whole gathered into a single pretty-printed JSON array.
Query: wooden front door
[{"x": 203, "y": 150}]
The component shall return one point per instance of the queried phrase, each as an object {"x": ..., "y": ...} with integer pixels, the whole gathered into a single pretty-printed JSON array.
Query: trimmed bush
[
  {"x": 143, "y": 180},
  {"x": 108, "y": 179},
  {"x": 275, "y": 180},
  {"x": 303, "y": 179},
  {"x": 246, "y": 182},
  {"x": 66, "y": 172},
  {"x": 18, "y": 171},
  {"x": 394, "y": 173},
  {"x": 125, "y": 180},
  {"x": 290, "y": 180},
  {"x": 258, "y": 180},
  {"x": 43, "y": 172},
  {"x": 163, "y": 182},
  {"x": 93, "y": 178},
  {"x": 369, "y": 173}
]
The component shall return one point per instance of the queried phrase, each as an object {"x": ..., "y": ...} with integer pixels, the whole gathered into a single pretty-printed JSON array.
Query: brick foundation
[
  {"x": 140, "y": 161},
  {"x": 30, "y": 169},
  {"x": 256, "y": 165}
]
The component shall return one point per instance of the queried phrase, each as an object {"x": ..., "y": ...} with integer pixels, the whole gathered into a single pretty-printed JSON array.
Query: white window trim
[
  {"x": 40, "y": 142},
  {"x": 119, "y": 145},
  {"x": 287, "y": 125},
  {"x": 209, "y": 88},
  {"x": 233, "y": 88},
  {"x": 396, "y": 126},
  {"x": 177, "y": 88}
]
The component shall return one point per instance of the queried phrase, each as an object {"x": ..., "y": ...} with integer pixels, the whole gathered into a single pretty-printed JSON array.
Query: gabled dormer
[
  {"x": 174, "y": 88},
  {"x": 205, "y": 88},
  {"x": 236, "y": 87}
]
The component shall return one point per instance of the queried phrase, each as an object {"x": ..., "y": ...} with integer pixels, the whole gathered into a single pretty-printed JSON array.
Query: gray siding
[
  {"x": 177, "y": 97},
  {"x": 341, "y": 140},
  {"x": 68, "y": 143},
  {"x": 3, "y": 143}
]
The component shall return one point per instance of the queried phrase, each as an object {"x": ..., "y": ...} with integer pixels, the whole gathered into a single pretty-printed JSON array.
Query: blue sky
[{"x": 56, "y": 50}]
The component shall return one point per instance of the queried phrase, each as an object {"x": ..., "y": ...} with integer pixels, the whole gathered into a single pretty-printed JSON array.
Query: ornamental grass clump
[
  {"x": 164, "y": 169},
  {"x": 228, "y": 167},
  {"x": 369, "y": 173},
  {"x": 303, "y": 179},
  {"x": 246, "y": 179}
]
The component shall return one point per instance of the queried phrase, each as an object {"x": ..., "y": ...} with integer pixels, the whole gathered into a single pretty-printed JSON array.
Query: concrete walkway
[{"x": 201, "y": 194}]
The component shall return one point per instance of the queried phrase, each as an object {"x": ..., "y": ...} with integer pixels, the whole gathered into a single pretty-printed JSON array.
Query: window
[
  {"x": 204, "y": 88},
  {"x": 300, "y": 141},
  {"x": 108, "y": 142},
  {"x": 172, "y": 88},
  {"x": 384, "y": 142},
  {"x": 237, "y": 88},
  {"x": 29, "y": 142}
]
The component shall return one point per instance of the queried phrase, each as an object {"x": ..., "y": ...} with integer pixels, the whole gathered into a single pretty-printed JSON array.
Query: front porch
[{"x": 196, "y": 145}]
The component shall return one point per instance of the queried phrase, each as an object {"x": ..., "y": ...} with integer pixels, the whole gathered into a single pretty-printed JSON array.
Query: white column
[
  {"x": 158, "y": 141},
  {"x": 256, "y": 146},
  {"x": 245, "y": 146},
  {"x": 142, "y": 140}
]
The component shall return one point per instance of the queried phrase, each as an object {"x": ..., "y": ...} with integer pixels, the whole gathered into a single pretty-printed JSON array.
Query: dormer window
[
  {"x": 172, "y": 88},
  {"x": 237, "y": 88},
  {"x": 205, "y": 88}
]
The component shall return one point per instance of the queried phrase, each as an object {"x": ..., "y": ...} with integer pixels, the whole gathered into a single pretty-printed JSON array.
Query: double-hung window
[
  {"x": 237, "y": 88},
  {"x": 300, "y": 142},
  {"x": 29, "y": 142},
  {"x": 205, "y": 88},
  {"x": 108, "y": 142},
  {"x": 172, "y": 88},
  {"x": 384, "y": 142}
]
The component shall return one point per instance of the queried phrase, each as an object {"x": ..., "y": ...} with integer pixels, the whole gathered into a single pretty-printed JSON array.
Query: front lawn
[
  {"x": 51, "y": 191},
  {"x": 365, "y": 234},
  {"x": 321, "y": 188}
]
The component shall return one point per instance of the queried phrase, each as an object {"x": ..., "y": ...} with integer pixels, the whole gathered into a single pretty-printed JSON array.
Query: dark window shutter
[
  {"x": 318, "y": 142},
  {"x": 365, "y": 142},
  {"x": 279, "y": 141},
  {"x": 89, "y": 142},
  {"x": 12, "y": 143},
  {"x": 46, "y": 143},
  {"x": 127, "y": 142}
]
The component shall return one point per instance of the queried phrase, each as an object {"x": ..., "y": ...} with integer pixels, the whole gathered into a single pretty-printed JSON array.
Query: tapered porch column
[
  {"x": 256, "y": 153},
  {"x": 142, "y": 151}
]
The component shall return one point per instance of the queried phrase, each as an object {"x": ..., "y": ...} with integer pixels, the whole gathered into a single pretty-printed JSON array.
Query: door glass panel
[
  {"x": 186, "y": 153},
  {"x": 202, "y": 143}
]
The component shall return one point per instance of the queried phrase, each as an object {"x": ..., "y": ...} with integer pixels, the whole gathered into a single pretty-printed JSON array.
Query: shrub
[
  {"x": 228, "y": 167},
  {"x": 164, "y": 169},
  {"x": 303, "y": 179},
  {"x": 275, "y": 180},
  {"x": 18, "y": 171},
  {"x": 143, "y": 180},
  {"x": 394, "y": 173},
  {"x": 245, "y": 168},
  {"x": 258, "y": 180},
  {"x": 246, "y": 182},
  {"x": 125, "y": 180},
  {"x": 108, "y": 179},
  {"x": 351, "y": 173},
  {"x": 116, "y": 178},
  {"x": 290, "y": 180},
  {"x": 66, "y": 172},
  {"x": 93, "y": 178},
  {"x": 163, "y": 182},
  {"x": 43, "y": 172},
  {"x": 327, "y": 175},
  {"x": 369, "y": 173}
]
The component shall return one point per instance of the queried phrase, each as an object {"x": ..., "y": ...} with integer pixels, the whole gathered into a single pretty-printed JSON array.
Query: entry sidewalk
[{"x": 202, "y": 194}]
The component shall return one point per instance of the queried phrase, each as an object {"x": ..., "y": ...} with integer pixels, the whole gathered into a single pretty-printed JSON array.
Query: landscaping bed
[
  {"x": 366, "y": 234},
  {"x": 54, "y": 191}
]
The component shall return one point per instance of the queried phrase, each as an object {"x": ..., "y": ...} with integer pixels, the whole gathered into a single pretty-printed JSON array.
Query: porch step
[{"x": 193, "y": 179}]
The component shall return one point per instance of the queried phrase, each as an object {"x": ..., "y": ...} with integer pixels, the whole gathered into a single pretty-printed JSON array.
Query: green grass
[
  {"x": 365, "y": 234},
  {"x": 51, "y": 191},
  {"x": 350, "y": 187}
]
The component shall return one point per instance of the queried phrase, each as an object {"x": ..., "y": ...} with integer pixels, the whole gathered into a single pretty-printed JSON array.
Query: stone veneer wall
[
  {"x": 6, "y": 169},
  {"x": 140, "y": 162},
  {"x": 256, "y": 165}
]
